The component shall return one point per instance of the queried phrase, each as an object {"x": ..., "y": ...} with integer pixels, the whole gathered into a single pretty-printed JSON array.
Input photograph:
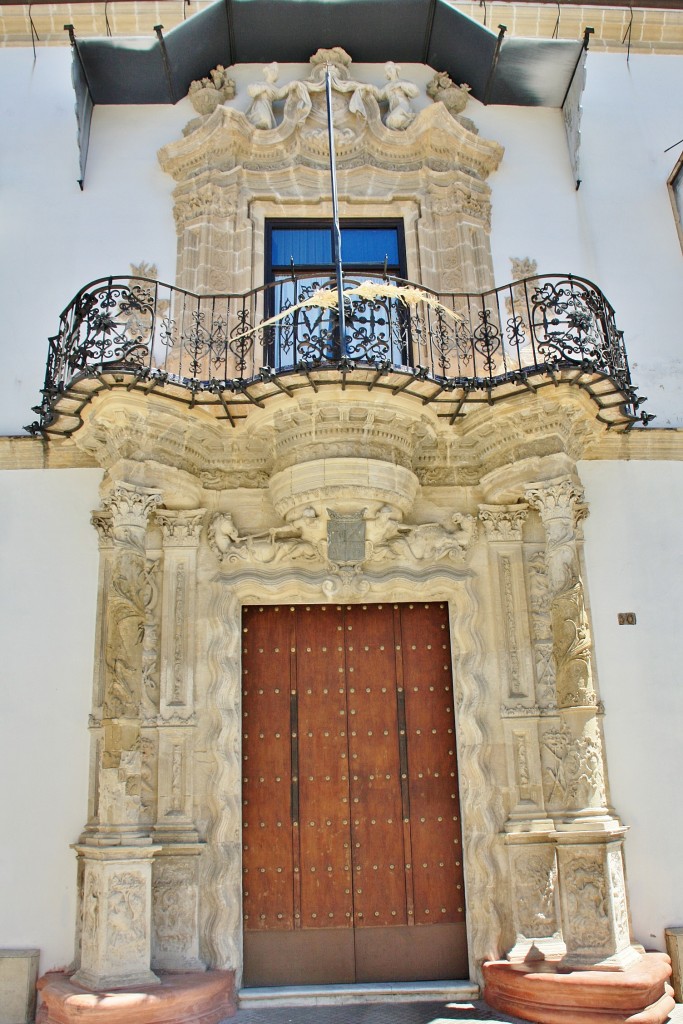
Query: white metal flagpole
[{"x": 335, "y": 215}]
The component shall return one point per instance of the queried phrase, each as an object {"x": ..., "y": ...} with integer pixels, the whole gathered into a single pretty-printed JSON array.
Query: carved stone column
[
  {"x": 593, "y": 899},
  {"x": 175, "y": 885},
  {"x": 116, "y": 850}
]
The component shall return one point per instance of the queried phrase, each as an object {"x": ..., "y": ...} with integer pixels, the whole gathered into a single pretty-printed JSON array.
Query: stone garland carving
[
  {"x": 150, "y": 634},
  {"x": 541, "y": 630},
  {"x": 178, "y": 633},
  {"x": 510, "y": 627}
]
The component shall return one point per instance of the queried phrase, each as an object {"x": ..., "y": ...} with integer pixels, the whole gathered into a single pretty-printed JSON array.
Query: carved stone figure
[
  {"x": 263, "y": 95},
  {"x": 208, "y": 93},
  {"x": 273, "y": 545},
  {"x": 442, "y": 89},
  {"x": 428, "y": 542},
  {"x": 398, "y": 94}
]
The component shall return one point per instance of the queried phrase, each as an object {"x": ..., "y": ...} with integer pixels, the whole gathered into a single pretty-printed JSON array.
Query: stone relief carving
[
  {"x": 541, "y": 630},
  {"x": 91, "y": 910},
  {"x": 425, "y": 542},
  {"x": 271, "y": 546},
  {"x": 585, "y": 894},
  {"x": 148, "y": 787},
  {"x": 304, "y": 538},
  {"x": 573, "y": 768},
  {"x": 535, "y": 889},
  {"x": 126, "y": 915},
  {"x": 208, "y": 93},
  {"x": 515, "y": 688},
  {"x": 615, "y": 865},
  {"x": 174, "y": 904},
  {"x": 150, "y": 635}
]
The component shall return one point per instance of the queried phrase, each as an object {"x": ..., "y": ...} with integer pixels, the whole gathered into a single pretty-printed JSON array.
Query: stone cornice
[
  {"x": 226, "y": 139},
  {"x": 646, "y": 445}
]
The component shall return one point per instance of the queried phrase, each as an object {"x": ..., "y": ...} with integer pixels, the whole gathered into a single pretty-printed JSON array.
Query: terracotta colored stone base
[
  {"x": 542, "y": 993},
  {"x": 192, "y": 998}
]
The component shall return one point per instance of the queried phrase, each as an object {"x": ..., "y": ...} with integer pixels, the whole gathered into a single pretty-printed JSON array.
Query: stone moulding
[{"x": 221, "y": 726}]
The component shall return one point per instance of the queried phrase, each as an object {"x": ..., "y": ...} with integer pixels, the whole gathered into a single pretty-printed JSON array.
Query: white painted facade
[{"x": 617, "y": 230}]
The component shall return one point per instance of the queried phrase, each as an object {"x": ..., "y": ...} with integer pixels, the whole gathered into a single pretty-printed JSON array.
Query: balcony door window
[{"x": 300, "y": 261}]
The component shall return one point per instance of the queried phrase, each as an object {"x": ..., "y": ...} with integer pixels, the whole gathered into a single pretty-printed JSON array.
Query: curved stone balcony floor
[{"x": 227, "y": 355}]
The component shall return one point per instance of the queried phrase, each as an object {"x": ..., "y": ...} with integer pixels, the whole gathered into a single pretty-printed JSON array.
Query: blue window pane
[
  {"x": 370, "y": 246},
  {"x": 308, "y": 247}
]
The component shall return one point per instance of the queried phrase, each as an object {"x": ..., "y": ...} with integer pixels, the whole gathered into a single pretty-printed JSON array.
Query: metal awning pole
[{"x": 335, "y": 214}]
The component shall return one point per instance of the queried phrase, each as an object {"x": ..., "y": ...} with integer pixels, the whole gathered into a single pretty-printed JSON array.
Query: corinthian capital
[
  {"x": 557, "y": 499},
  {"x": 180, "y": 528},
  {"x": 503, "y": 522},
  {"x": 131, "y": 506}
]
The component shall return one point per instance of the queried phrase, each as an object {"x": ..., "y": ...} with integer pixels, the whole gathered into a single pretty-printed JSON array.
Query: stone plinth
[
  {"x": 188, "y": 998},
  {"x": 18, "y": 973},
  {"x": 547, "y": 994}
]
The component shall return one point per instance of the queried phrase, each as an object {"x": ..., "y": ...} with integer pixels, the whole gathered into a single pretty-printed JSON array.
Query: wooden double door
[{"x": 352, "y": 858}]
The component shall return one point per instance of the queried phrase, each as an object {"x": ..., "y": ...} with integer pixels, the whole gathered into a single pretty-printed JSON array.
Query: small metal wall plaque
[
  {"x": 346, "y": 537},
  {"x": 626, "y": 618}
]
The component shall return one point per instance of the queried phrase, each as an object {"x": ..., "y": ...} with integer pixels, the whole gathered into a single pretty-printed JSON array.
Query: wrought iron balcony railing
[{"x": 229, "y": 352}]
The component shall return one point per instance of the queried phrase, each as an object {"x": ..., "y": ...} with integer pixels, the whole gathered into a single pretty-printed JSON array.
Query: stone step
[{"x": 339, "y": 995}]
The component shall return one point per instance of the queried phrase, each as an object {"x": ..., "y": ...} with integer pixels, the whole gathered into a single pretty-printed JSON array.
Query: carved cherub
[{"x": 397, "y": 93}]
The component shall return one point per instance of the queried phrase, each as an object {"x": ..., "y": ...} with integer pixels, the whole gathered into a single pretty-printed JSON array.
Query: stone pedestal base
[
  {"x": 548, "y": 995},
  {"x": 189, "y": 998}
]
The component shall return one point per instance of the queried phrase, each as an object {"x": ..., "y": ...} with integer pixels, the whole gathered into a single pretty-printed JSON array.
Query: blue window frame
[{"x": 300, "y": 260}]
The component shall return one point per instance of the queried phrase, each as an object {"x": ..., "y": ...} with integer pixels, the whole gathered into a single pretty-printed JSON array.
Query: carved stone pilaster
[
  {"x": 127, "y": 594},
  {"x": 175, "y": 724},
  {"x": 503, "y": 527},
  {"x": 116, "y": 917},
  {"x": 573, "y": 750},
  {"x": 593, "y": 901},
  {"x": 175, "y": 909}
]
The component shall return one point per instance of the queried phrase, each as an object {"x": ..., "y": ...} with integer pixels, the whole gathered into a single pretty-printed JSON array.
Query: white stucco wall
[
  {"x": 635, "y": 564},
  {"x": 48, "y": 568}
]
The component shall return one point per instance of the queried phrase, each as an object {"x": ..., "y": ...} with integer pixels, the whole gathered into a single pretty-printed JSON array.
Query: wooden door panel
[
  {"x": 266, "y": 783},
  {"x": 377, "y": 813},
  {"x": 352, "y": 847},
  {"x": 323, "y": 779},
  {"x": 435, "y": 818}
]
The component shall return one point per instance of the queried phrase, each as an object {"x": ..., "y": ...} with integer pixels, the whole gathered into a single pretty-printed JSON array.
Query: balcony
[{"x": 226, "y": 354}]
